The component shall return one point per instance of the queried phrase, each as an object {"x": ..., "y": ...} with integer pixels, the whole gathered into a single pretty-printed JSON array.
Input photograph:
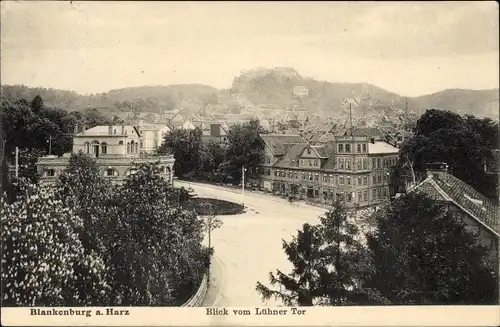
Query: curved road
[{"x": 248, "y": 246}]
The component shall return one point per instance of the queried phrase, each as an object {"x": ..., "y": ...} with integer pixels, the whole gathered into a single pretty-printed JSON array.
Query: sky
[{"x": 411, "y": 48}]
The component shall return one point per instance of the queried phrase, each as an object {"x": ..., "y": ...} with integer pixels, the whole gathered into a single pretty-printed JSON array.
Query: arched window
[
  {"x": 128, "y": 147},
  {"x": 50, "y": 173},
  {"x": 87, "y": 147},
  {"x": 131, "y": 171},
  {"x": 104, "y": 147},
  {"x": 110, "y": 172},
  {"x": 132, "y": 147},
  {"x": 137, "y": 148},
  {"x": 95, "y": 148},
  {"x": 120, "y": 143}
]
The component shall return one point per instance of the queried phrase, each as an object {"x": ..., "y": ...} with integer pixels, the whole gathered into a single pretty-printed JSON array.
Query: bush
[{"x": 220, "y": 207}]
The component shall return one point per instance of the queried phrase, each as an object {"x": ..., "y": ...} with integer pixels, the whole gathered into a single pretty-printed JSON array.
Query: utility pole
[
  {"x": 50, "y": 144},
  {"x": 406, "y": 109},
  {"x": 17, "y": 163},
  {"x": 243, "y": 180},
  {"x": 2, "y": 166}
]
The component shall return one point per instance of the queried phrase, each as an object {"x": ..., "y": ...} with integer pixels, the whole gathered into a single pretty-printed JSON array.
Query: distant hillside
[
  {"x": 281, "y": 88},
  {"x": 481, "y": 103},
  {"x": 271, "y": 86},
  {"x": 136, "y": 99}
]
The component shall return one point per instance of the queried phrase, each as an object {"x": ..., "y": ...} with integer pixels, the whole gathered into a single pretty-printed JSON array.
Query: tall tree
[
  {"x": 304, "y": 286},
  {"x": 423, "y": 254},
  {"x": 158, "y": 256},
  {"x": 188, "y": 150},
  {"x": 349, "y": 260},
  {"x": 442, "y": 136},
  {"x": 245, "y": 148}
]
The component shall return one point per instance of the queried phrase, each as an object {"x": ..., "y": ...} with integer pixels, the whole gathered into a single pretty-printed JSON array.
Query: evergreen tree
[{"x": 303, "y": 286}]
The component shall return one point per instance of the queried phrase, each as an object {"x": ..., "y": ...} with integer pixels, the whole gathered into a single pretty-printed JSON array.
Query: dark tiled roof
[
  {"x": 291, "y": 158},
  {"x": 466, "y": 197},
  {"x": 276, "y": 142},
  {"x": 368, "y": 131}
]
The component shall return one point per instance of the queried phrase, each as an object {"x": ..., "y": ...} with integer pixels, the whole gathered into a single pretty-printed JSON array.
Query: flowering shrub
[{"x": 43, "y": 260}]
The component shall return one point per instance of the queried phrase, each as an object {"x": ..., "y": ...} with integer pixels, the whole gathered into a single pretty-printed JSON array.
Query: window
[
  {"x": 348, "y": 148},
  {"x": 359, "y": 197},
  {"x": 341, "y": 163},
  {"x": 379, "y": 177},
  {"x": 332, "y": 194},
  {"x": 87, "y": 147},
  {"x": 310, "y": 177},
  {"x": 364, "y": 148},
  {"x": 374, "y": 178},
  {"x": 359, "y": 148},
  {"x": 365, "y": 180},
  {"x": 374, "y": 195},
  {"x": 341, "y": 180},
  {"x": 359, "y": 180},
  {"x": 378, "y": 163},
  {"x": 310, "y": 163},
  {"x": 50, "y": 173},
  {"x": 374, "y": 163},
  {"x": 341, "y": 148},
  {"x": 120, "y": 143},
  {"x": 341, "y": 196},
  {"x": 308, "y": 151},
  {"x": 316, "y": 177},
  {"x": 348, "y": 164},
  {"x": 296, "y": 175},
  {"x": 348, "y": 180},
  {"x": 104, "y": 148},
  {"x": 303, "y": 176},
  {"x": 359, "y": 164},
  {"x": 365, "y": 195},
  {"x": 385, "y": 177},
  {"x": 262, "y": 160},
  {"x": 325, "y": 179},
  {"x": 316, "y": 193},
  {"x": 268, "y": 172},
  {"x": 379, "y": 193},
  {"x": 384, "y": 192},
  {"x": 325, "y": 195},
  {"x": 315, "y": 163},
  {"x": 349, "y": 196},
  {"x": 365, "y": 164},
  {"x": 276, "y": 173},
  {"x": 268, "y": 159},
  {"x": 110, "y": 172}
]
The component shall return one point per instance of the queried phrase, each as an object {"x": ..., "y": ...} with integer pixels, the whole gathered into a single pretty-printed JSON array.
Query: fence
[{"x": 197, "y": 299}]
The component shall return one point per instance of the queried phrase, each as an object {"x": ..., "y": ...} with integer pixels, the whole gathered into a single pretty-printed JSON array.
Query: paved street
[{"x": 248, "y": 246}]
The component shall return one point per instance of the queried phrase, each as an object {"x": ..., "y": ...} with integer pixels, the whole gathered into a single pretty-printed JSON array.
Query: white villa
[{"x": 117, "y": 150}]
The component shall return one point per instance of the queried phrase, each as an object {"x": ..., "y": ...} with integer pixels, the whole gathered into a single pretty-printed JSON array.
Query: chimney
[
  {"x": 110, "y": 129},
  {"x": 76, "y": 129},
  {"x": 83, "y": 129},
  {"x": 372, "y": 140},
  {"x": 436, "y": 168}
]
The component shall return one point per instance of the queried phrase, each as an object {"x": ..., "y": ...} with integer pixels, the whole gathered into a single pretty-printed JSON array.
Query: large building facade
[
  {"x": 117, "y": 150},
  {"x": 354, "y": 169}
]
